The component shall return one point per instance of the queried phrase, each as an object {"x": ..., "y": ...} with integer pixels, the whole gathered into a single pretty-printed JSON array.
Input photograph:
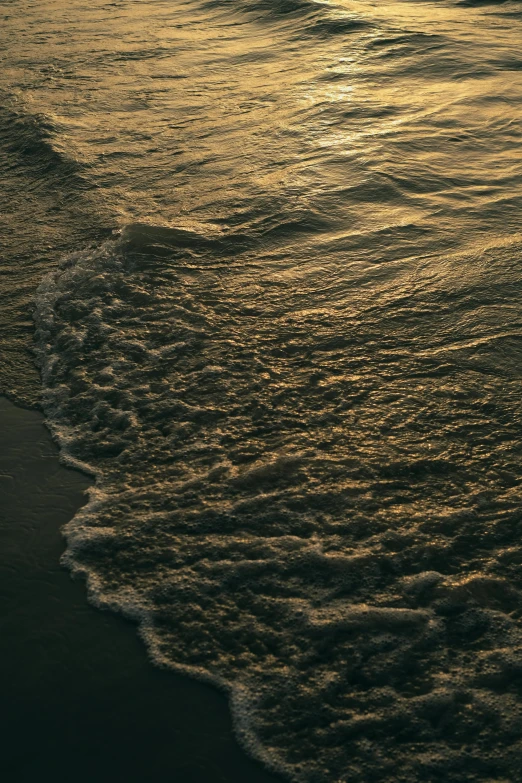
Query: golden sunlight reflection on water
[{"x": 296, "y": 365}]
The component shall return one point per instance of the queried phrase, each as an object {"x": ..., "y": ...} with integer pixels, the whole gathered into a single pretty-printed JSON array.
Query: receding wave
[{"x": 314, "y": 506}]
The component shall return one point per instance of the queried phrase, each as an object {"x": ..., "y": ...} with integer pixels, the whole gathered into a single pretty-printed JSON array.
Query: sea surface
[{"x": 273, "y": 254}]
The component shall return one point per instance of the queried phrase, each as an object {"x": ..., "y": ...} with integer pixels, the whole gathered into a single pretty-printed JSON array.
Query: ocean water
[{"x": 273, "y": 252}]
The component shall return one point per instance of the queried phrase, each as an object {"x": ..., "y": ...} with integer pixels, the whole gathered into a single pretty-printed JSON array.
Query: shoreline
[{"x": 81, "y": 698}]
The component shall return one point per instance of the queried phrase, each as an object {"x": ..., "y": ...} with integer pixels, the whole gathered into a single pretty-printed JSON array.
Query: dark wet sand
[{"x": 79, "y": 699}]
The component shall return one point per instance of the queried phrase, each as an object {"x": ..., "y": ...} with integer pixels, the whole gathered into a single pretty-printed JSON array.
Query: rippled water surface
[{"x": 294, "y": 366}]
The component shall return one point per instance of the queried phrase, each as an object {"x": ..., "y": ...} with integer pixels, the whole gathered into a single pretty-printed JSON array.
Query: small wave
[
  {"x": 309, "y": 18},
  {"x": 34, "y": 140},
  {"x": 154, "y": 241}
]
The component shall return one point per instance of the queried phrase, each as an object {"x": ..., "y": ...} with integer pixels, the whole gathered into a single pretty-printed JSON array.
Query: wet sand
[{"x": 80, "y": 700}]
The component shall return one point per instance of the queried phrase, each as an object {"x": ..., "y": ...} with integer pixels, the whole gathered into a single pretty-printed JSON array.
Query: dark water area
[{"x": 266, "y": 256}]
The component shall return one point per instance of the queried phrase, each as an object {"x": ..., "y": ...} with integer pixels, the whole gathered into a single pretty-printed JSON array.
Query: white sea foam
[{"x": 299, "y": 561}]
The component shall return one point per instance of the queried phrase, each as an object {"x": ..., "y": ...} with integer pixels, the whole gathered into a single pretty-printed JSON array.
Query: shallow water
[{"x": 294, "y": 368}]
